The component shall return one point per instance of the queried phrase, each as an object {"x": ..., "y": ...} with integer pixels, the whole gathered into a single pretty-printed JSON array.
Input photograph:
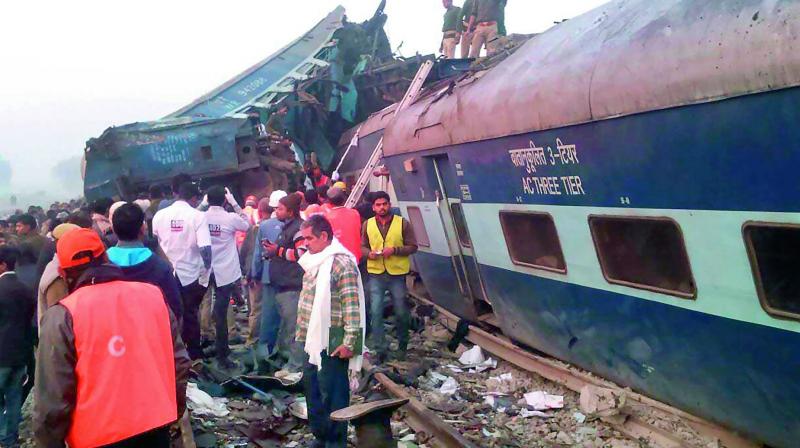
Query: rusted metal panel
[{"x": 626, "y": 57}]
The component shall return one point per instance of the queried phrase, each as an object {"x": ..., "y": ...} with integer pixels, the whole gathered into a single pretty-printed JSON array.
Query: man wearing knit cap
[
  {"x": 117, "y": 344},
  {"x": 286, "y": 276},
  {"x": 52, "y": 288}
]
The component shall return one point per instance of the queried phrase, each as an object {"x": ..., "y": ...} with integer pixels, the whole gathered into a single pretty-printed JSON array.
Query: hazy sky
[{"x": 70, "y": 69}]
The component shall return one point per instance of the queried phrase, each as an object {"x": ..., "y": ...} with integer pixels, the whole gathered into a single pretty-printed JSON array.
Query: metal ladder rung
[{"x": 411, "y": 95}]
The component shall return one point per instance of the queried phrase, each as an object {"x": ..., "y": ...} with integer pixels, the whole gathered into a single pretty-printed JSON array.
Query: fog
[{"x": 72, "y": 69}]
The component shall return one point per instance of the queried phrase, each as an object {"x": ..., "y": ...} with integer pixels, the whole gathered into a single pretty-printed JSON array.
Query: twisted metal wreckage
[{"x": 256, "y": 130}]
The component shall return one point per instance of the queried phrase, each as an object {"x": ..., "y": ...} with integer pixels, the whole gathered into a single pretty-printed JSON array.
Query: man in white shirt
[
  {"x": 183, "y": 235},
  {"x": 225, "y": 267}
]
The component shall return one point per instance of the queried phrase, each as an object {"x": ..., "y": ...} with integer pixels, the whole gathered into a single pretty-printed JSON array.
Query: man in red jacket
[
  {"x": 346, "y": 222},
  {"x": 112, "y": 368}
]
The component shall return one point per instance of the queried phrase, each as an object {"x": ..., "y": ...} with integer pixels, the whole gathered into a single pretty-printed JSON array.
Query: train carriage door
[{"x": 457, "y": 232}]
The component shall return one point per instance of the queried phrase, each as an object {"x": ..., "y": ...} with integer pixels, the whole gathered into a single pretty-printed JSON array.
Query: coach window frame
[
  {"x": 642, "y": 286},
  {"x": 460, "y": 224},
  {"x": 427, "y": 242},
  {"x": 507, "y": 234},
  {"x": 754, "y": 268}
]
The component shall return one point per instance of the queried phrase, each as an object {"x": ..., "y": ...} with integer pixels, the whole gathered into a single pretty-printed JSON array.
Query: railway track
[{"x": 643, "y": 431}]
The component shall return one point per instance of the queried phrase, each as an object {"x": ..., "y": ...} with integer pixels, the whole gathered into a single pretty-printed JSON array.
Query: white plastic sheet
[
  {"x": 202, "y": 403},
  {"x": 472, "y": 357},
  {"x": 449, "y": 387},
  {"x": 541, "y": 400}
]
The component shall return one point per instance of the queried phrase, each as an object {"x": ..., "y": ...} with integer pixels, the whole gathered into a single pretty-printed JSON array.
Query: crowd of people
[
  {"x": 104, "y": 307},
  {"x": 476, "y": 25}
]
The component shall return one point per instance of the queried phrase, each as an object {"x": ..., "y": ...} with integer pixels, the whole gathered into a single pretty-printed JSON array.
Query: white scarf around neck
[{"x": 317, "y": 336}]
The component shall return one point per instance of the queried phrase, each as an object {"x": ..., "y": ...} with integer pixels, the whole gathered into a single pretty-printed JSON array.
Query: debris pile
[{"x": 492, "y": 403}]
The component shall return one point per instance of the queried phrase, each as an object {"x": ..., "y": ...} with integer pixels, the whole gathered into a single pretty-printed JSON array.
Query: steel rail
[
  {"x": 421, "y": 419},
  {"x": 576, "y": 380}
]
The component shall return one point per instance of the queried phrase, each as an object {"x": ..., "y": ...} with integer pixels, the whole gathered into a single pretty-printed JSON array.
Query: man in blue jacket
[
  {"x": 138, "y": 263},
  {"x": 268, "y": 232}
]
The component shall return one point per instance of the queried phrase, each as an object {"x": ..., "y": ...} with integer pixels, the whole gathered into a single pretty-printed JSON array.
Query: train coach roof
[
  {"x": 625, "y": 57},
  {"x": 376, "y": 122}
]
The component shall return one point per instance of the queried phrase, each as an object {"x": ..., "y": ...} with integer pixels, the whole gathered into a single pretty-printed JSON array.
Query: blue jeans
[
  {"x": 396, "y": 285},
  {"x": 327, "y": 390},
  {"x": 270, "y": 319},
  {"x": 11, "y": 379},
  {"x": 287, "y": 307}
]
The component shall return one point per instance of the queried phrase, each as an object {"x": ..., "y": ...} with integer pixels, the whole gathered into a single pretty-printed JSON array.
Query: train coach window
[
  {"x": 532, "y": 241},
  {"x": 461, "y": 225},
  {"x": 644, "y": 253},
  {"x": 418, "y": 224},
  {"x": 774, "y": 251}
]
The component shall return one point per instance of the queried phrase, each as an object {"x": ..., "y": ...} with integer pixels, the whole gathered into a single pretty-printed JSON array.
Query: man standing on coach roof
[
  {"x": 226, "y": 269},
  {"x": 182, "y": 232},
  {"x": 330, "y": 324},
  {"x": 451, "y": 30},
  {"x": 487, "y": 14},
  {"x": 112, "y": 367},
  {"x": 467, "y": 27},
  {"x": 387, "y": 241}
]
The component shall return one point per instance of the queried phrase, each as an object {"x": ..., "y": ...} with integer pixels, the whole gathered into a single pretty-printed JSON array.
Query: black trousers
[
  {"x": 191, "y": 296},
  {"x": 327, "y": 390},
  {"x": 222, "y": 298},
  {"x": 156, "y": 438}
]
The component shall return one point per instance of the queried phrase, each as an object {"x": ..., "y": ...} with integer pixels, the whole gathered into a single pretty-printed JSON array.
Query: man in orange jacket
[{"x": 112, "y": 368}]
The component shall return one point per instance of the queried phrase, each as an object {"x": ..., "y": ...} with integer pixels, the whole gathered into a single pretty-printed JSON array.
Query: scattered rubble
[
  {"x": 488, "y": 401},
  {"x": 497, "y": 405}
]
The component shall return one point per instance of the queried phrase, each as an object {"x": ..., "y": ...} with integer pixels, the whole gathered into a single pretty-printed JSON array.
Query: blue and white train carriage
[{"x": 623, "y": 192}]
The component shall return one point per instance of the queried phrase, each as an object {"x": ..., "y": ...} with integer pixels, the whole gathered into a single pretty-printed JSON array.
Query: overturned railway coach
[{"x": 622, "y": 193}]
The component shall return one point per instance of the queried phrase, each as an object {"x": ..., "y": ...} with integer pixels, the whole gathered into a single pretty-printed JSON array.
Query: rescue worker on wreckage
[
  {"x": 451, "y": 30},
  {"x": 486, "y": 20},
  {"x": 112, "y": 367},
  {"x": 467, "y": 27}
]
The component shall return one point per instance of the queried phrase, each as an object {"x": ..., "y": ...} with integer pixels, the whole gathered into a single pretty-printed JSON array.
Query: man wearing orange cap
[{"x": 112, "y": 367}]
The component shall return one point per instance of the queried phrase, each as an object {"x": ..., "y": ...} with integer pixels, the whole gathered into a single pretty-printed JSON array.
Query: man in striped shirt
[{"x": 334, "y": 348}]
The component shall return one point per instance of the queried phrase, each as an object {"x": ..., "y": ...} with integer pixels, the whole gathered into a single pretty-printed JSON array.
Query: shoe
[
  {"x": 378, "y": 358},
  {"x": 206, "y": 342},
  {"x": 208, "y": 352},
  {"x": 226, "y": 364},
  {"x": 197, "y": 355}
]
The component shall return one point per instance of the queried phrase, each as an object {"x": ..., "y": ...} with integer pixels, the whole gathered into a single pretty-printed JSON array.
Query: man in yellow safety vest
[{"x": 387, "y": 241}]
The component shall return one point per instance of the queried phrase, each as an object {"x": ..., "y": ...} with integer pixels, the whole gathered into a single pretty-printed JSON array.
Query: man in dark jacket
[
  {"x": 287, "y": 277},
  {"x": 16, "y": 345},
  {"x": 30, "y": 244},
  {"x": 113, "y": 368},
  {"x": 138, "y": 263}
]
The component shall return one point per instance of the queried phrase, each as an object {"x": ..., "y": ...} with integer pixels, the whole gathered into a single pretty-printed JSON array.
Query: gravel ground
[{"x": 488, "y": 407}]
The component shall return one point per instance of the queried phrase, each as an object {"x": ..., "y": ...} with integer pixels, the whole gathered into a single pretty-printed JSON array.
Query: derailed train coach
[
  {"x": 257, "y": 130},
  {"x": 621, "y": 193}
]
